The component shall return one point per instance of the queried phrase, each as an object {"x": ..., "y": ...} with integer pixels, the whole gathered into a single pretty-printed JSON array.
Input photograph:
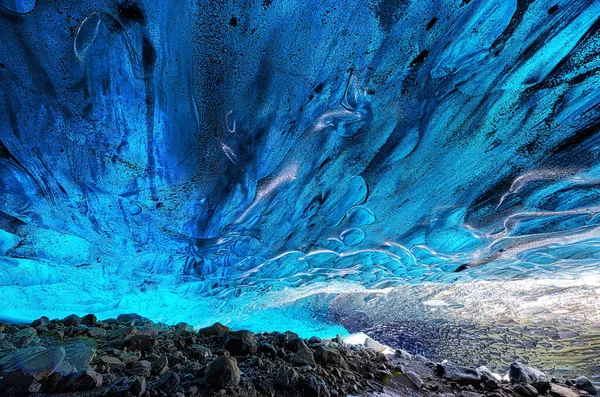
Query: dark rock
[
  {"x": 24, "y": 337},
  {"x": 200, "y": 352},
  {"x": 414, "y": 378},
  {"x": 160, "y": 365},
  {"x": 328, "y": 355},
  {"x": 71, "y": 321},
  {"x": 122, "y": 333},
  {"x": 561, "y": 391},
  {"x": 182, "y": 326},
  {"x": 285, "y": 376},
  {"x": 96, "y": 332},
  {"x": 217, "y": 329},
  {"x": 35, "y": 362},
  {"x": 138, "y": 387},
  {"x": 39, "y": 322},
  {"x": 112, "y": 363},
  {"x": 141, "y": 368},
  {"x": 17, "y": 382},
  {"x": 462, "y": 375},
  {"x": 79, "y": 353},
  {"x": 314, "y": 340},
  {"x": 169, "y": 382},
  {"x": 89, "y": 320},
  {"x": 314, "y": 387},
  {"x": 140, "y": 342},
  {"x": 129, "y": 318},
  {"x": 304, "y": 356},
  {"x": 223, "y": 372},
  {"x": 240, "y": 343},
  {"x": 130, "y": 357},
  {"x": 296, "y": 344},
  {"x": 583, "y": 383},
  {"x": 526, "y": 390},
  {"x": 268, "y": 349},
  {"x": 520, "y": 373},
  {"x": 84, "y": 380}
]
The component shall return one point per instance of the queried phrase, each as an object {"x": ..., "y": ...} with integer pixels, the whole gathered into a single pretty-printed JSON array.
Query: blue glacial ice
[{"x": 247, "y": 161}]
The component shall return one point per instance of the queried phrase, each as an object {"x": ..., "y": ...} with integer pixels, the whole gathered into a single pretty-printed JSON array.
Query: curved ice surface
[{"x": 209, "y": 160}]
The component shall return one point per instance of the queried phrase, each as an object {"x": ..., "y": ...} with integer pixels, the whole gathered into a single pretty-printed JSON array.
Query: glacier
[{"x": 282, "y": 164}]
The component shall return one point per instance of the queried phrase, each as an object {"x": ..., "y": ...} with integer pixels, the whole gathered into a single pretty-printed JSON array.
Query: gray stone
[
  {"x": 80, "y": 353},
  {"x": 140, "y": 368},
  {"x": 24, "y": 337},
  {"x": 223, "y": 372},
  {"x": 462, "y": 375},
  {"x": 374, "y": 345},
  {"x": 96, "y": 332},
  {"x": 112, "y": 363},
  {"x": 520, "y": 373},
  {"x": 140, "y": 342},
  {"x": 130, "y": 357},
  {"x": 583, "y": 383},
  {"x": 561, "y": 391},
  {"x": 36, "y": 363},
  {"x": 123, "y": 333},
  {"x": 526, "y": 390}
]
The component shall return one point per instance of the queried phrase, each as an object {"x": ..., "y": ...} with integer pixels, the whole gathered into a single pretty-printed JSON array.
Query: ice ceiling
[{"x": 203, "y": 160}]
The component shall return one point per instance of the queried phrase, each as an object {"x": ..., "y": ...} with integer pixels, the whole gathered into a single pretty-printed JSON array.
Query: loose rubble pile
[{"x": 131, "y": 356}]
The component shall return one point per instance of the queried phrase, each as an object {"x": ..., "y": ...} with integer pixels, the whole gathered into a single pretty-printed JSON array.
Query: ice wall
[{"x": 206, "y": 159}]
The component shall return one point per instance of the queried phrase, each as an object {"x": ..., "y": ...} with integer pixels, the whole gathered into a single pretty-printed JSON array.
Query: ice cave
[{"x": 423, "y": 172}]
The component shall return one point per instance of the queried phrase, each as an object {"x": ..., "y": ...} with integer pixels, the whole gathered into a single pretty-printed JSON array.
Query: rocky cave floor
[{"x": 131, "y": 356}]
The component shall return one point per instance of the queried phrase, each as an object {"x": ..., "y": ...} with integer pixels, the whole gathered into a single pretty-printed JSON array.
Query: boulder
[
  {"x": 24, "y": 337},
  {"x": 328, "y": 356},
  {"x": 83, "y": 380},
  {"x": 168, "y": 383},
  {"x": 141, "y": 368},
  {"x": 123, "y": 333},
  {"x": 37, "y": 363},
  {"x": 217, "y": 329},
  {"x": 304, "y": 356},
  {"x": 79, "y": 353},
  {"x": 519, "y": 373},
  {"x": 240, "y": 343},
  {"x": 199, "y": 352},
  {"x": 96, "y": 332},
  {"x": 140, "y": 342},
  {"x": 71, "y": 321},
  {"x": 583, "y": 383},
  {"x": 462, "y": 375},
  {"x": 561, "y": 391},
  {"x": 89, "y": 320},
  {"x": 223, "y": 372},
  {"x": 160, "y": 365},
  {"x": 112, "y": 363}
]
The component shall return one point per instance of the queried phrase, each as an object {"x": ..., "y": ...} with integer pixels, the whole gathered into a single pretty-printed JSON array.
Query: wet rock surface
[{"x": 131, "y": 356}]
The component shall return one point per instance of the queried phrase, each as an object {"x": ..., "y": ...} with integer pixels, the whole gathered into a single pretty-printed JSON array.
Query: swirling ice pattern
[{"x": 188, "y": 150}]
